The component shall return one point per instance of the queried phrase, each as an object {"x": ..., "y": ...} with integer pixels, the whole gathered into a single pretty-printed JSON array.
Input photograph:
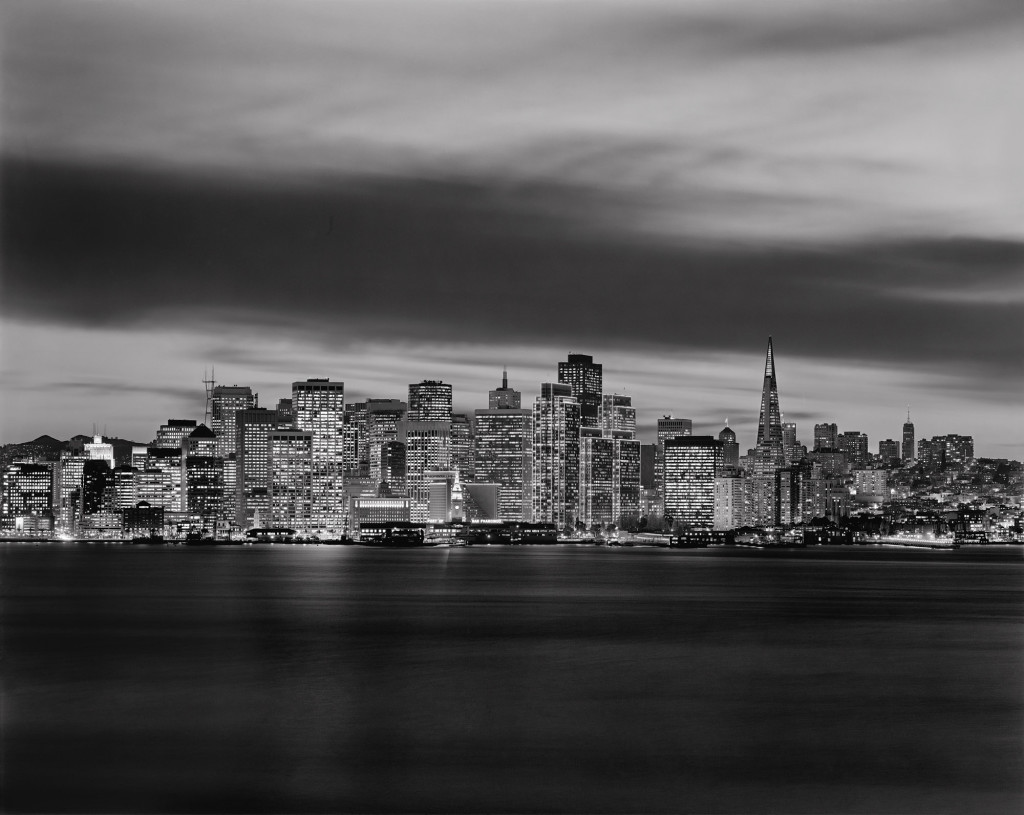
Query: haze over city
[{"x": 382, "y": 192}]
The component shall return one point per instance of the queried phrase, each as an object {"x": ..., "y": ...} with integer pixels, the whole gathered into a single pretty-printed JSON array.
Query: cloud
[{"x": 339, "y": 260}]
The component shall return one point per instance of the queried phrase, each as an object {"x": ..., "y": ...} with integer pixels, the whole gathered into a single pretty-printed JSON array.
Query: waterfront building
[
  {"x": 430, "y": 401},
  {"x": 597, "y": 453},
  {"x": 691, "y": 464},
  {"x": 626, "y": 489},
  {"x": 366, "y": 510},
  {"x": 908, "y": 439},
  {"x": 291, "y": 460},
  {"x": 202, "y": 481},
  {"x": 27, "y": 490},
  {"x": 556, "y": 455},
  {"x": 253, "y": 428},
  {"x": 427, "y": 447},
  {"x": 585, "y": 379},
  {"x": 225, "y": 402},
  {"x": 729, "y": 510},
  {"x": 503, "y": 455},
  {"x": 318, "y": 407},
  {"x": 669, "y": 427}
]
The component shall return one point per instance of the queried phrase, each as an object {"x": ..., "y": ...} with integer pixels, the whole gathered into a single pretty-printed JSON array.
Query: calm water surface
[{"x": 533, "y": 679}]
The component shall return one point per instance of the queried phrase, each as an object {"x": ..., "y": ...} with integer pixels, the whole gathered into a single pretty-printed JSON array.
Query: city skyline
[{"x": 383, "y": 194}]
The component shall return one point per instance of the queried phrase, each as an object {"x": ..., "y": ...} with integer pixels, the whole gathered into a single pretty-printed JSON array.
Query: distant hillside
[{"x": 47, "y": 448}]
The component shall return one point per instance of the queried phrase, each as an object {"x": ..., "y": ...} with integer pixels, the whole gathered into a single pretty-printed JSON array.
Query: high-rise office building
[
  {"x": 769, "y": 424},
  {"x": 618, "y": 413},
  {"x": 669, "y": 427},
  {"x": 504, "y": 398},
  {"x": 393, "y": 469},
  {"x": 729, "y": 500},
  {"x": 626, "y": 489},
  {"x": 428, "y": 446},
  {"x": 318, "y": 407},
  {"x": 430, "y": 401},
  {"x": 355, "y": 447},
  {"x": 691, "y": 464},
  {"x": 383, "y": 419},
  {"x": 202, "y": 482},
  {"x": 597, "y": 455},
  {"x": 225, "y": 402},
  {"x": 173, "y": 433},
  {"x": 462, "y": 446},
  {"x": 27, "y": 490},
  {"x": 503, "y": 454},
  {"x": 585, "y": 379},
  {"x": 253, "y": 428},
  {"x": 908, "y": 438},
  {"x": 826, "y": 436},
  {"x": 556, "y": 455},
  {"x": 730, "y": 447},
  {"x": 292, "y": 480},
  {"x": 99, "y": 449}
]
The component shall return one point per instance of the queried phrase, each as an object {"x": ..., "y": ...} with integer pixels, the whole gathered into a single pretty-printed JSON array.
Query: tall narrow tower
[
  {"x": 908, "y": 438},
  {"x": 769, "y": 426}
]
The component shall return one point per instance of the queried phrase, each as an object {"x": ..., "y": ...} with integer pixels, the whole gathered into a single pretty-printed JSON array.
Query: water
[{"x": 533, "y": 679}]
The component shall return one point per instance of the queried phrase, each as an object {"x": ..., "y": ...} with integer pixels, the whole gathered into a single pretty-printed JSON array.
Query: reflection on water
[{"x": 534, "y": 679}]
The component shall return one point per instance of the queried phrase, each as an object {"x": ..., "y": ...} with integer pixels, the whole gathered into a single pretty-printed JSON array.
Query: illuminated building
[
  {"x": 462, "y": 446},
  {"x": 768, "y": 455},
  {"x": 730, "y": 449},
  {"x": 393, "y": 468},
  {"x": 98, "y": 449},
  {"x": 787, "y": 496},
  {"x": 908, "y": 438},
  {"x": 691, "y": 464},
  {"x": 355, "y": 450},
  {"x": 292, "y": 480},
  {"x": 318, "y": 407},
  {"x": 889, "y": 452},
  {"x": 871, "y": 486},
  {"x": 855, "y": 445},
  {"x": 596, "y": 464},
  {"x": 669, "y": 427},
  {"x": 556, "y": 455},
  {"x": 626, "y": 490},
  {"x": 159, "y": 478},
  {"x": 253, "y": 427},
  {"x": 790, "y": 445},
  {"x": 503, "y": 452},
  {"x": 225, "y": 402},
  {"x": 504, "y": 398},
  {"x": 125, "y": 492},
  {"x": 173, "y": 433},
  {"x": 203, "y": 477},
  {"x": 229, "y": 505},
  {"x": 286, "y": 411},
  {"x": 142, "y": 520},
  {"x": 380, "y": 510},
  {"x": 729, "y": 501},
  {"x": 618, "y": 413},
  {"x": 427, "y": 447},
  {"x": 826, "y": 436},
  {"x": 383, "y": 418},
  {"x": 97, "y": 487},
  {"x": 946, "y": 452},
  {"x": 430, "y": 401},
  {"x": 585, "y": 379},
  {"x": 27, "y": 490},
  {"x": 68, "y": 492}
]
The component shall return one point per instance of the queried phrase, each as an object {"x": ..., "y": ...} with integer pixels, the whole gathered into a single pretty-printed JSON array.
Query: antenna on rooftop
[{"x": 208, "y": 383}]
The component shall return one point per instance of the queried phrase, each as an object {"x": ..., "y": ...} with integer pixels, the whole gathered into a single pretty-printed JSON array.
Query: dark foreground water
[{"x": 534, "y": 679}]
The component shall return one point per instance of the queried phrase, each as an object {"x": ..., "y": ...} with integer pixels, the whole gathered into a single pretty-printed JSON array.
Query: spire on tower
[
  {"x": 769, "y": 362},
  {"x": 504, "y": 377},
  {"x": 769, "y": 426}
]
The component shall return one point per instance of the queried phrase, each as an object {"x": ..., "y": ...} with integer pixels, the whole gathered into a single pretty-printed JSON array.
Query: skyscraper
[
  {"x": 691, "y": 463},
  {"x": 556, "y": 455},
  {"x": 462, "y": 446},
  {"x": 430, "y": 401},
  {"x": 504, "y": 398},
  {"x": 318, "y": 407},
  {"x": 618, "y": 413},
  {"x": 202, "y": 482},
  {"x": 383, "y": 418},
  {"x": 585, "y": 378},
  {"x": 292, "y": 468},
  {"x": 174, "y": 432},
  {"x": 503, "y": 451},
  {"x": 253, "y": 427},
  {"x": 889, "y": 452},
  {"x": 225, "y": 402},
  {"x": 597, "y": 455},
  {"x": 769, "y": 425},
  {"x": 826, "y": 436},
  {"x": 908, "y": 438},
  {"x": 428, "y": 446},
  {"x": 669, "y": 427},
  {"x": 730, "y": 447}
]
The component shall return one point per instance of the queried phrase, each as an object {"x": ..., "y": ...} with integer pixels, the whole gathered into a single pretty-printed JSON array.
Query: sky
[{"x": 390, "y": 191}]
